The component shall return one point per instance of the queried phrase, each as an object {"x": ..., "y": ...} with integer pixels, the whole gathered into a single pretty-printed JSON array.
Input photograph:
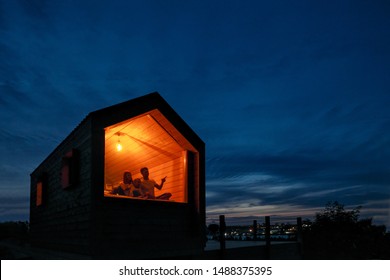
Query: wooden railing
[{"x": 222, "y": 238}]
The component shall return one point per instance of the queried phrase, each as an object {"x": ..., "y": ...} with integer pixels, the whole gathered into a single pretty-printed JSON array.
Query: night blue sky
[{"x": 291, "y": 97}]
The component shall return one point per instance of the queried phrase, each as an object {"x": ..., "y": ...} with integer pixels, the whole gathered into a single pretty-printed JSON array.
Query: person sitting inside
[
  {"x": 148, "y": 185},
  {"x": 137, "y": 188},
  {"x": 125, "y": 187}
]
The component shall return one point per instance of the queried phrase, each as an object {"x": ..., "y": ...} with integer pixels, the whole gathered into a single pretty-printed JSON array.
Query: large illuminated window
[{"x": 148, "y": 140}]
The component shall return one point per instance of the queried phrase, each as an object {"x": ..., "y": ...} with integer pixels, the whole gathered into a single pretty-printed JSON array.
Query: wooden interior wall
[
  {"x": 145, "y": 144},
  {"x": 175, "y": 179}
]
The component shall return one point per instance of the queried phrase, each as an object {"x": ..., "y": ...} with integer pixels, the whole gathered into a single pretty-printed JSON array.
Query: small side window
[
  {"x": 39, "y": 201},
  {"x": 41, "y": 189},
  {"x": 69, "y": 169}
]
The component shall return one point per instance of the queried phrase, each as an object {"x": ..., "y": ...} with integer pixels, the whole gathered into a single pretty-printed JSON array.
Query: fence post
[
  {"x": 267, "y": 237},
  {"x": 254, "y": 230},
  {"x": 300, "y": 236},
  {"x": 222, "y": 230}
]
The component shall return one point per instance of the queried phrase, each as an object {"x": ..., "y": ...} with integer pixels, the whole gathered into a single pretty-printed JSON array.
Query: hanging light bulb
[{"x": 118, "y": 144}]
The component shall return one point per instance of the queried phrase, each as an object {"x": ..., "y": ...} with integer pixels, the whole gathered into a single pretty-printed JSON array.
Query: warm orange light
[
  {"x": 119, "y": 146},
  {"x": 39, "y": 194}
]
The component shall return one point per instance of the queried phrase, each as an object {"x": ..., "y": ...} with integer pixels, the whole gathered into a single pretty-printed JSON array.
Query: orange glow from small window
[{"x": 39, "y": 194}]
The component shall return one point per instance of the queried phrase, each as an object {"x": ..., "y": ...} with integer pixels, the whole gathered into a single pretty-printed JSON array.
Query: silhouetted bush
[{"x": 339, "y": 234}]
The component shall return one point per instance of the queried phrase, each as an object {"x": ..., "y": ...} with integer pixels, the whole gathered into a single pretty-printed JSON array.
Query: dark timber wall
[{"x": 63, "y": 220}]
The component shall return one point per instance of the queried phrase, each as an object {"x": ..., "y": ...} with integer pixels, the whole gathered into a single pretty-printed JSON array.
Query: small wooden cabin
[{"x": 72, "y": 205}]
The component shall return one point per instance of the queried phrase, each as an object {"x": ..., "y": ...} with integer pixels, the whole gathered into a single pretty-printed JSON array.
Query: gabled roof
[{"x": 142, "y": 105}]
